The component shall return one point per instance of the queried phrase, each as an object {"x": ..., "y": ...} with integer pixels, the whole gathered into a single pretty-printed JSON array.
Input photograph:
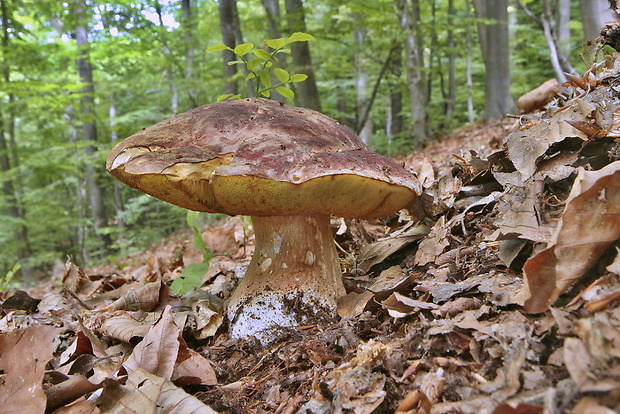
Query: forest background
[{"x": 77, "y": 76}]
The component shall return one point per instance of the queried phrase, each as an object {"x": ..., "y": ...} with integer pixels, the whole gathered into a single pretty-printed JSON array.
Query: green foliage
[
  {"x": 192, "y": 274},
  {"x": 5, "y": 282},
  {"x": 263, "y": 65}
]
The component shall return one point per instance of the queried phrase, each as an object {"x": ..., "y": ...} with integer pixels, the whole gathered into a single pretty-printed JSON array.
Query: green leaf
[
  {"x": 286, "y": 92},
  {"x": 276, "y": 43},
  {"x": 260, "y": 53},
  {"x": 250, "y": 76},
  {"x": 227, "y": 97},
  {"x": 265, "y": 93},
  {"x": 298, "y": 77},
  {"x": 265, "y": 79},
  {"x": 253, "y": 64},
  {"x": 300, "y": 37},
  {"x": 281, "y": 74},
  {"x": 217, "y": 48},
  {"x": 242, "y": 49},
  {"x": 234, "y": 62},
  {"x": 191, "y": 278}
]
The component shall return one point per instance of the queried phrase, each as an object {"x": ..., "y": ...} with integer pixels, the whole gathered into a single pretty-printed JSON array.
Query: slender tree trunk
[
  {"x": 227, "y": 28},
  {"x": 172, "y": 84},
  {"x": 364, "y": 123},
  {"x": 272, "y": 10},
  {"x": 89, "y": 125},
  {"x": 494, "y": 40},
  {"x": 395, "y": 125},
  {"x": 451, "y": 96},
  {"x": 189, "y": 27},
  {"x": 306, "y": 92},
  {"x": 471, "y": 115},
  {"x": 409, "y": 15}
]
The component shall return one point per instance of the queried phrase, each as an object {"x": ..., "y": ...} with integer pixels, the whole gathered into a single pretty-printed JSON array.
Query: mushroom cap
[{"x": 258, "y": 157}]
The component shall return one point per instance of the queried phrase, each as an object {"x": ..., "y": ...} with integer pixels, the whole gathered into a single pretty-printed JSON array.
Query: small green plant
[
  {"x": 192, "y": 274},
  {"x": 264, "y": 64},
  {"x": 5, "y": 282}
]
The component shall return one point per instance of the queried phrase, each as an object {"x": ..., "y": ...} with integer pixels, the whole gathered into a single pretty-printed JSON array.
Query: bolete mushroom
[{"x": 289, "y": 169}]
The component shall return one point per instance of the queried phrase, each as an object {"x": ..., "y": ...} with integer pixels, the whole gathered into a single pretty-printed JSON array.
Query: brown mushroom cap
[{"x": 261, "y": 158}]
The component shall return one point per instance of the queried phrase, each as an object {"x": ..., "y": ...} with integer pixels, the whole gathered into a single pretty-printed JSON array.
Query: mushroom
[{"x": 289, "y": 169}]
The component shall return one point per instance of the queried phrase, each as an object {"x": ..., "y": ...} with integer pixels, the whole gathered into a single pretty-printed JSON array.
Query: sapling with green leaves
[
  {"x": 264, "y": 63},
  {"x": 260, "y": 67}
]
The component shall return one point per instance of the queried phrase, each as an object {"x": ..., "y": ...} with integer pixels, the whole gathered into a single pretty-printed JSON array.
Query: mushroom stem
[{"x": 293, "y": 279}]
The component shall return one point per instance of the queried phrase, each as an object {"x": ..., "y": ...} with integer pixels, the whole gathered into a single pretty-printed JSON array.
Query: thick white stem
[{"x": 294, "y": 277}]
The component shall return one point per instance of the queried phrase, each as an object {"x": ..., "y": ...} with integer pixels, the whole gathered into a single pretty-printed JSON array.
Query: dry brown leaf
[
  {"x": 353, "y": 304},
  {"x": 192, "y": 368},
  {"x": 79, "y": 407},
  {"x": 68, "y": 391},
  {"x": 23, "y": 356},
  {"x": 145, "y": 298},
  {"x": 590, "y": 223},
  {"x": 399, "y": 306},
  {"x": 374, "y": 253},
  {"x": 123, "y": 327},
  {"x": 158, "y": 350},
  {"x": 145, "y": 393},
  {"x": 434, "y": 243}
]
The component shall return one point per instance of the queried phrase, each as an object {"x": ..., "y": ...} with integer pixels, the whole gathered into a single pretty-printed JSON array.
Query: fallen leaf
[
  {"x": 23, "y": 356},
  {"x": 158, "y": 350},
  {"x": 146, "y": 393},
  {"x": 589, "y": 225}
]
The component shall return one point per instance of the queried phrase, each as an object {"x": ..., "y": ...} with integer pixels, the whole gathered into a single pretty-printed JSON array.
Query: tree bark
[
  {"x": 306, "y": 92},
  {"x": 494, "y": 41},
  {"x": 594, "y": 15},
  {"x": 189, "y": 26},
  {"x": 172, "y": 84},
  {"x": 364, "y": 122},
  {"x": 396, "y": 122},
  {"x": 229, "y": 38},
  {"x": 272, "y": 10},
  {"x": 409, "y": 15},
  {"x": 89, "y": 125}
]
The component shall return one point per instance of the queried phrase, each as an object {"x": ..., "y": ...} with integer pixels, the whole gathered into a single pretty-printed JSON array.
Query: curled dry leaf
[{"x": 589, "y": 225}]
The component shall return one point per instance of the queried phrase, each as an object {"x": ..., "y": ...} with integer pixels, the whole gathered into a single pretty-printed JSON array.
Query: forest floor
[{"x": 504, "y": 299}]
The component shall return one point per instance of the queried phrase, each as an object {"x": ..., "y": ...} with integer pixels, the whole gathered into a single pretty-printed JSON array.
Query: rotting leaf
[{"x": 589, "y": 225}]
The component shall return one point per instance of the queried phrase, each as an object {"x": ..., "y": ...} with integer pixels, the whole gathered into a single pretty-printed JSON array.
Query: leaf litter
[{"x": 503, "y": 298}]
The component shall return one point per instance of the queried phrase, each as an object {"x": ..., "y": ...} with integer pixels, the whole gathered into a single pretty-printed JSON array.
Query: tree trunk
[
  {"x": 594, "y": 15},
  {"x": 451, "y": 96},
  {"x": 229, "y": 38},
  {"x": 494, "y": 41},
  {"x": 471, "y": 115},
  {"x": 89, "y": 126},
  {"x": 364, "y": 123},
  {"x": 306, "y": 92},
  {"x": 409, "y": 15},
  {"x": 189, "y": 26},
  {"x": 395, "y": 124},
  {"x": 272, "y": 10},
  {"x": 172, "y": 84}
]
